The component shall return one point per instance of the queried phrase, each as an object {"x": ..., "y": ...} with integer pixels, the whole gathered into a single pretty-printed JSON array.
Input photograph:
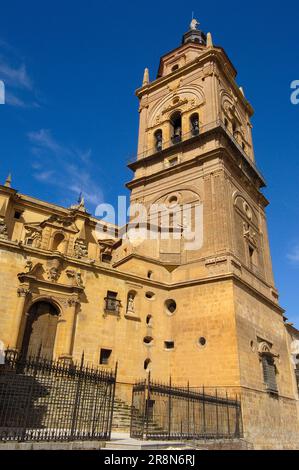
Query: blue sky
[{"x": 70, "y": 121}]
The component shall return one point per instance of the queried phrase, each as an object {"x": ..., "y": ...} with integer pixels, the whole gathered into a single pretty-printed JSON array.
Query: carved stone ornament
[
  {"x": 80, "y": 249},
  {"x": 34, "y": 234},
  {"x": 73, "y": 302},
  {"x": 249, "y": 234},
  {"x": 75, "y": 277},
  {"x": 23, "y": 291},
  {"x": 176, "y": 102},
  {"x": 106, "y": 246},
  {"x": 54, "y": 270},
  {"x": 3, "y": 229}
]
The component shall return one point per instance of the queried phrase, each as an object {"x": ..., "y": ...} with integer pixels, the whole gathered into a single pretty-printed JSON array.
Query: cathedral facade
[{"x": 206, "y": 312}]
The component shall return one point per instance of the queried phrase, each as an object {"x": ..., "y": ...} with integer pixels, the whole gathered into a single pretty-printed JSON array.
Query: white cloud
[
  {"x": 17, "y": 77},
  {"x": 63, "y": 166},
  {"x": 294, "y": 255},
  {"x": 20, "y": 91}
]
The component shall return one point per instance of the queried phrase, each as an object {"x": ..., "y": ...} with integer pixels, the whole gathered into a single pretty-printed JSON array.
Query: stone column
[
  {"x": 71, "y": 314},
  {"x": 19, "y": 323}
]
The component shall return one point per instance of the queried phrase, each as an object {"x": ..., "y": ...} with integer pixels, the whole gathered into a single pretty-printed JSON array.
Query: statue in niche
[
  {"x": 195, "y": 126},
  {"x": 131, "y": 306}
]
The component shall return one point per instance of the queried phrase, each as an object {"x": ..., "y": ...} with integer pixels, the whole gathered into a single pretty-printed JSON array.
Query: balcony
[{"x": 112, "y": 305}]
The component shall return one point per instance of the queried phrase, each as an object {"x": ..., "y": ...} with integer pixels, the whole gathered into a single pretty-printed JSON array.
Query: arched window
[
  {"x": 176, "y": 127},
  {"x": 58, "y": 242},
  {"x": 158, "y": 140},
  {"x": 194, "y": 124}
]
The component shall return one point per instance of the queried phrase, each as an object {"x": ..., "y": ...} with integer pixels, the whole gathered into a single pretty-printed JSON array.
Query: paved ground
[{"x": 123, "y": 441}]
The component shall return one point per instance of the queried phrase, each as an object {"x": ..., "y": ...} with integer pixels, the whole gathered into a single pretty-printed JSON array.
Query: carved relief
[
  {"x": 75, "y": 277},
  {"x": 80, "y": 249},
  {"x": 23, "y": 291},
  {"x": 3, "y": 229},
  {"x": 176, "y": 102},
  {"x": 249, "y": 234},
  {"x": 34, "y": 235},
  {"x": 174, "y": 85},
  {"x": 54, "y": 270}
]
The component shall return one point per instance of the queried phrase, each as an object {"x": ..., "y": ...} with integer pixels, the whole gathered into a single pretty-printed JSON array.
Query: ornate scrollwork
[{"x": 3, "y": 229}]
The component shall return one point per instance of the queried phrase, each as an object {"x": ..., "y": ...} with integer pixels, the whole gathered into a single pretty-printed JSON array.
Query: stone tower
[{"x": 195, "y": 147}]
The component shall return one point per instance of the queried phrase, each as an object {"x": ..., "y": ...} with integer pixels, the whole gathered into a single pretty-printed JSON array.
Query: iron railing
[
  {"x": 112, "y": 305},
  {"x": 42, "y": 399},
  {"x": 165, "y": 411}
]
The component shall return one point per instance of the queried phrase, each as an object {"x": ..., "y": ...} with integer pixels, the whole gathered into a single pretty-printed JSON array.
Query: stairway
[{"x": 121, "y": 416}]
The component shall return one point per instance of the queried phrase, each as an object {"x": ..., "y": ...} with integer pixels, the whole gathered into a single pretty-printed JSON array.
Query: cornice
[
  {"x": 217, "y": 54},
  {"x": 233, "y": 155},
  {"x": 162, "y": 285}
]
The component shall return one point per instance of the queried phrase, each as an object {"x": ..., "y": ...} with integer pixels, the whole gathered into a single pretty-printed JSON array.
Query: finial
[
  {"x": 209, "y": 40},
  {"x": 8, "y": 181},
  {"x": 194, "y": 23},
  {"x": 241, "y": 90},
  {"x": 81, "y": 202},
  {"x": 145, "y": 77}
]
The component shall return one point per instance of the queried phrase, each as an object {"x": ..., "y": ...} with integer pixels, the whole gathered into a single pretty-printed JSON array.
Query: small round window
[
  {"x": 150, "y": 295},
  {"x": 148, "y": 340},
  {"x": 170, "y": 306},
  {"x": 202, "y": 341}
]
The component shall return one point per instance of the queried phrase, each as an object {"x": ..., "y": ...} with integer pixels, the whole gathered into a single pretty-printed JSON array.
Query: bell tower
[{"x": 195, "y": 147}]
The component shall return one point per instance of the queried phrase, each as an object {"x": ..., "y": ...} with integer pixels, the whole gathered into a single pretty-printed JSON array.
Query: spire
[
  {"x": 8, "y": 181},
  {"x": 241, "y": 90},
  {"x": 209, "y": 40},
  {"x": 145, "y": 77},
  {"x": 80, "y": 206}
]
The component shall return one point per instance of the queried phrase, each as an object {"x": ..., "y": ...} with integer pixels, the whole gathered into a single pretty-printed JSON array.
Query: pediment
[{"x": 61, "y": 222}]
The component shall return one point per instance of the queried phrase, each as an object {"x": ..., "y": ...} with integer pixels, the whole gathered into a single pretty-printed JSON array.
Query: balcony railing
[{"x": 177, "y": 140}]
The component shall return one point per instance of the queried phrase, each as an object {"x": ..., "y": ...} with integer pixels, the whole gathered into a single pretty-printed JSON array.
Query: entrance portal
[{"x": 40, "y": 330}]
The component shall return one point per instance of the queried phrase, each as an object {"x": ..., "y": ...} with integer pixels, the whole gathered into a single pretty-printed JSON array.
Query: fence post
[
  {"x": 111, "y": 404},
  {"x": 203, "y": 410},
  {"x": 227, "y": 407},
  {"x": 169, "y": 408},
  {"x": 30, "y": 394},
  {"x": 217, "y": 423},
  {"x": 237, "y": 427},
  {"x": 147, "y": 399},
  {"x": 188, "y": 410},
  {"x": 77, "y": 398}
]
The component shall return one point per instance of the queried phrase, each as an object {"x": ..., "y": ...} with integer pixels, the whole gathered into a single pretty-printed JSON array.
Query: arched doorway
[{"x": 40, "y": 330}]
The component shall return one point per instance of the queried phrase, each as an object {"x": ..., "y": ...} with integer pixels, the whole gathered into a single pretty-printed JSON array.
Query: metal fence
[
  {"x": 42, "y": 399},
  {"x": 161, "y": 411}
]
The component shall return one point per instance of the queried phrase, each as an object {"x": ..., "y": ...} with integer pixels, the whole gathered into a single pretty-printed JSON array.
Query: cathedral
[{"x": 204, "y": 312}]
